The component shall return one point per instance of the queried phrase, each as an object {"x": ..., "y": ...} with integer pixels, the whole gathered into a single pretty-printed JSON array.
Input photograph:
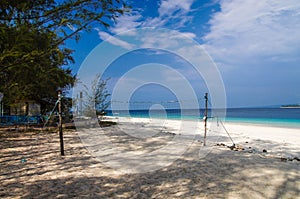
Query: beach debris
[
  {"x": 265, "y": 151},
  {"x": 168, "y": 133},
  {"x": 23, "y": 160},
  {"x": 231, "y": 147},
  {"x": 236, "y": 147},
  {"x": 239, "y": 148},
  {"x": 283, "y": 159},
  {"x": 292, "y": 159},
  {"x": 296, "y": 158},
  {"x": 251, "y": 150},
  {"x": 221, "y": 144}
]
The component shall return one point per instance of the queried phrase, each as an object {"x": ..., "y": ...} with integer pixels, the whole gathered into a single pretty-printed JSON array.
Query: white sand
[
  {"x": 31, "y": 166},
  {"x": 278, "y": 141}
]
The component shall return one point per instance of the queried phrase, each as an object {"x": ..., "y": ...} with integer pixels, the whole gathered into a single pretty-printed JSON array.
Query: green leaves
[
  {"x": 49, "y": 16},
  {"x": 39, "y": 72},
  {"x": 96, "y": 97},
  {"x": 32, "y": 36}
]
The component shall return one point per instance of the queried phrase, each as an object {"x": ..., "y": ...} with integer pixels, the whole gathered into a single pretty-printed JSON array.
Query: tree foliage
[
  {"x": 95, "y": 98},
  {"x": 64, "y": 18},
  {"x": 32, "y": 36},
  {"x": 40, "y": 76}
]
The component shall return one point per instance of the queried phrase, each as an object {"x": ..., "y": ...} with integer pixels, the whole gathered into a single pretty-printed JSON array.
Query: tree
[
  {"x": 32, "y": 36},
  {"x": 38, "y": 79},
  {"x": 96, "y": 98},
  {"x": 64, "y": 18}
]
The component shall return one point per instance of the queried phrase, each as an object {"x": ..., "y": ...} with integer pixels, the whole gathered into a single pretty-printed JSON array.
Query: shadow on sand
[{"x": 31, "y": 167}]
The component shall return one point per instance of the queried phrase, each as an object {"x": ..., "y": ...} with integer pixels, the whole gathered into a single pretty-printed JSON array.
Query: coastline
[
  {"x": 290, "y": 107},
  {"x": 279, "y": 123},
  {"x": 262, "y": 136},
  {"x": 279, "y": 117}
]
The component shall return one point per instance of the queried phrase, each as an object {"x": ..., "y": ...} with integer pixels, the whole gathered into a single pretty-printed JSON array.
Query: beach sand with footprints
[{"x": 263, "y": 163}]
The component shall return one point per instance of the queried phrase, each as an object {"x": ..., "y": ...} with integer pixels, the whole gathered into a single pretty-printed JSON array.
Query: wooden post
[
  {"x": 1, "y": 105},
  {"x": 60, "y": 125},
  {"x": 80, "y": 104},
  {"x": 205, "y": 118}
]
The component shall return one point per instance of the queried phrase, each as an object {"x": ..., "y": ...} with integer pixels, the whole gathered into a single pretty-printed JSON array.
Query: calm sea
[{"x": 282, "y": 117}]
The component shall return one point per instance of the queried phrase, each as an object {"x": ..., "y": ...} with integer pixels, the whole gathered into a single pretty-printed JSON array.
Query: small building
[{"x": 27, "y": 107}]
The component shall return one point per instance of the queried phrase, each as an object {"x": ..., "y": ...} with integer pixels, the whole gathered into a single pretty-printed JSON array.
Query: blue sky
[{"x": 254, "y": 44}]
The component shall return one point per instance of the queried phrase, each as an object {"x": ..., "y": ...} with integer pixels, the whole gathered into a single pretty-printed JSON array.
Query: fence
[{"x": 21, "y": 120}]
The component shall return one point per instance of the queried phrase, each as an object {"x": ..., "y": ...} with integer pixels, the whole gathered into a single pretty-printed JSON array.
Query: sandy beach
[{"x": 263, "y": 164}]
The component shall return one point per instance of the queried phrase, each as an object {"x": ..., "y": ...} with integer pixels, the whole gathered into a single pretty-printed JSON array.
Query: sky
[{"x": 254, "y": 45}]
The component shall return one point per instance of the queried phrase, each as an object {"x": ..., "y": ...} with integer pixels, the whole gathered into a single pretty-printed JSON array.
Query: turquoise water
[
  {"x": 279, "y": 117},
  {"x": 289, "y": 123}
]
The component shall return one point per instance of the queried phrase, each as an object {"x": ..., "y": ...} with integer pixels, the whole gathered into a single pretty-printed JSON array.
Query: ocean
[{"x": 280, "y": 117}]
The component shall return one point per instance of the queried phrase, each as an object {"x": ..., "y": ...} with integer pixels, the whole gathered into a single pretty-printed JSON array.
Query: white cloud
[
  {"x": 187, "y": 34},
  {"x": 113, "y": 40},
  {"x": 246, "y": 29},
  {"x": 257, "y": 45},
  {"x": 173, "y": 14},
  {"x": 127, "y": 22},
  {"x": 169, "y": 7}
]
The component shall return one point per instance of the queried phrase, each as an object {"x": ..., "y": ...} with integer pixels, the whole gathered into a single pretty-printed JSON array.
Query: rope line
[
  {"x": 227, "y": 132},
  {"x": 50, "y": 114},
  {"x": 219, "y": 121},
  {"x": 154, "y": 102}
]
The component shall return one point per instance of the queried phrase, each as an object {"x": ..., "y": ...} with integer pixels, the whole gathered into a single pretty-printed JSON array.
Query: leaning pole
[{"x": 61, "y": 138}]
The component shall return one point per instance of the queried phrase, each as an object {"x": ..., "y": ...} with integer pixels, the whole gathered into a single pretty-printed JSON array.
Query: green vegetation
[
  {"x": 33, "y": 57},
  {"x": 94, "y": 99},
  {"x": 291, "y": 106}
]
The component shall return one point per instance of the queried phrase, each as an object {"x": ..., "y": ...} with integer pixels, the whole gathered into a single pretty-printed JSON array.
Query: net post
[
  {"x": 205, "y": 118},
  {"x": 62, "y": 153}
]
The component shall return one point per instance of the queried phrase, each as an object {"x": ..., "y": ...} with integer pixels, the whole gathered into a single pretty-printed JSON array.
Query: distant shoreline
[{"x": 290, "y": 107}]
